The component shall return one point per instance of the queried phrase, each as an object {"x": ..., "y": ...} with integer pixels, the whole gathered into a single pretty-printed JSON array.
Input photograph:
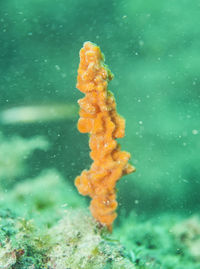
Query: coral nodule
[{"x": 99, "y": 118}]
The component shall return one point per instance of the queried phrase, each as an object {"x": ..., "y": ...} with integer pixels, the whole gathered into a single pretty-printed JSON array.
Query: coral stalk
[{"x": 99, "y": 118}]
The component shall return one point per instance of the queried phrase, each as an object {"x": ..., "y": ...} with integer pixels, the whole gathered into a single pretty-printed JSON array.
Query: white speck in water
[
  {"x": 57, "y": 67},
  {"x": 63, "y": 75},
  {"x": 140, "y": 122},
  {"x": 194, "y": 132},
  {"x": 141, "y": 43},
  {"x": 64, "y": 205}
]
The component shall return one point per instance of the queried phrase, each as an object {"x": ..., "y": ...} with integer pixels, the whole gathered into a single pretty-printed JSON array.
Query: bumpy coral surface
[{"x": 99, "y": 118}]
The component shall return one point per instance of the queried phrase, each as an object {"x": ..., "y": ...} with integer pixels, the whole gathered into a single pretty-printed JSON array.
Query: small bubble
[{"x": 140, "y": 122}]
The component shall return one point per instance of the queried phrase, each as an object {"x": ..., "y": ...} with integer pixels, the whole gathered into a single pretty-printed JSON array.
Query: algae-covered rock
[
  {"x": 42, "y": 198},
  {"x": 7, "y": 256},
  {"x": 166, "y": 241},
  {"x": 75, "y": 242},
  {"x": 79, "y": 243},
  {"x": 14, "y": 152},
  {"x": 187, "y": 233}
]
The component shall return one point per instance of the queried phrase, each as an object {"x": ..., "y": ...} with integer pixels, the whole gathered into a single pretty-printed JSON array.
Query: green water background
[{"x": 152, "y": 47}]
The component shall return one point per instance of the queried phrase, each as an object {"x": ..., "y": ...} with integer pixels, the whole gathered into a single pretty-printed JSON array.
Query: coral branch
[{"x": 99, "y": 118}]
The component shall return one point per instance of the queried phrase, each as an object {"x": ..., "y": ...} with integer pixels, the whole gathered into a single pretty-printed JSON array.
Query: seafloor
[{"x": 44, "y": 223}]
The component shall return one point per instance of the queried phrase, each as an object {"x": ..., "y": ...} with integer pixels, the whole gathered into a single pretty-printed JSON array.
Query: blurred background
[{"x": 152, "y": 48}]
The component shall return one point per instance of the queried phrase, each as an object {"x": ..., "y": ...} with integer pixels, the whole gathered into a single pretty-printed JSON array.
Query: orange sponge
[{"x": 99, "y": 118}]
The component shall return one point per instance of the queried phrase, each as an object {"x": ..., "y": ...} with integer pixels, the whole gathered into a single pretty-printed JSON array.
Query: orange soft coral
[{"x": 99, "y": 118}]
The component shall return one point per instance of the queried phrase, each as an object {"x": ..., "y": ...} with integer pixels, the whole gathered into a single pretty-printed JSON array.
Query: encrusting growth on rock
[{"x": 99, "y": 118}]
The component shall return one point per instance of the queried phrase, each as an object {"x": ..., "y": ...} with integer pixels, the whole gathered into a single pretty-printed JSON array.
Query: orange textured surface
[{"x": 99, "y": 118}]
